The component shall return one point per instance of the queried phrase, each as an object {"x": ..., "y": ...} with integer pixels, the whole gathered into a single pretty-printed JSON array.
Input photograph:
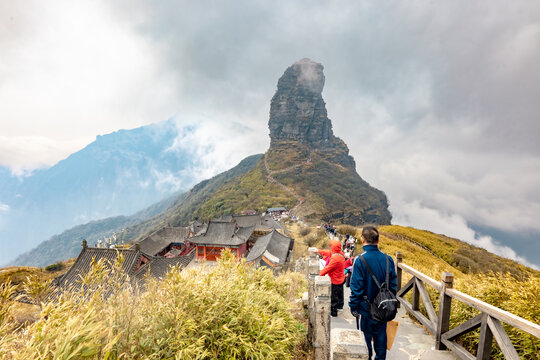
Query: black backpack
[{"x": 384, "y": 304}]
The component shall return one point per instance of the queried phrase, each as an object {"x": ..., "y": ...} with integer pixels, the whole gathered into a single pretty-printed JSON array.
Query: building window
[{"x": 200, "y": 251}]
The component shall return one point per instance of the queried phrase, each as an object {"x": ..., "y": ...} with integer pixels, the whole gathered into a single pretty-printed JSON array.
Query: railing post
[
  {"x": 445, "y": 303},
  {"x": 321, "y": 333},
  {"x": 415, "y": 297},
  {"x": 486, "y": 338},
  {"x": 312, "y": 272},
  {"x": 399, "y": 272}
]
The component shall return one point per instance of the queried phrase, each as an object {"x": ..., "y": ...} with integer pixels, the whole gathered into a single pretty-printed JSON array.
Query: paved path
[
  {"x": 412, "y": 342},
  {"x": 285, "y": 187}
]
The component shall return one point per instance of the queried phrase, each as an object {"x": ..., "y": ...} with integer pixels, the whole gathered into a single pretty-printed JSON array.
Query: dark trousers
[
  {"x": 374, "y": 331},
  {"x": 337, "y": 299}
]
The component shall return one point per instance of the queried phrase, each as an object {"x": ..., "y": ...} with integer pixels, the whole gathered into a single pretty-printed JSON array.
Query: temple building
[
  {"x": 168, "y": 242},
  {"x": 264, "y": 223},
  {"x": 221, "y": 235},
  {"x": 136, "y": 265},
  {"x": 272, "y": 250}
]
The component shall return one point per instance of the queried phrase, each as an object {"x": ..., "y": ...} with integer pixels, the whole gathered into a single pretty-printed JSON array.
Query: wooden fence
[{"x": 489, "y": 320}]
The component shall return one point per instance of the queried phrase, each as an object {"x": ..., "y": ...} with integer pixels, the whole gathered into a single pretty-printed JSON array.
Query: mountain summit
[
  {"x": 298, "y": 111},
  {"x": 306, "y": 168}
]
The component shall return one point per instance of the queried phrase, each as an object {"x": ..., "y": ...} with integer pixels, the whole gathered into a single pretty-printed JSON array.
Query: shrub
[
  {"x": 54, "y": 267},
  {"x": 228, "y": 311},
  {"x": 305, "y": 231},
  {"x": 36, "y": 289},
  {"x": 7, "y": 290},
  {"x": 311, "y": 240},
  {"x": 347, "y": 229}
]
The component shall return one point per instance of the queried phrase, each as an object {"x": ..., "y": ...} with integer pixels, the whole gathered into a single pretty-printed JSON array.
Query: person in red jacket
[{"x": 336, "y": 270}]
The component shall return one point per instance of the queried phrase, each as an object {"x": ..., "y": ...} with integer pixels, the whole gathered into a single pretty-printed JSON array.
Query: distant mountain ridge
[
  {"x": 119, "y": 173},
  {"x": 175, "y": 210}
]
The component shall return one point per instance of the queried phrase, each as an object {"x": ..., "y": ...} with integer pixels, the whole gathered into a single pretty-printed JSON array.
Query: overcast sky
[{"x": 439, "y": 102}]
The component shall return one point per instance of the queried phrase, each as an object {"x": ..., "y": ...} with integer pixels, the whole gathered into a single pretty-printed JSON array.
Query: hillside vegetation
[
  {"x": 336, "y": 192},
  {"x": 331, "y": 189},
  {"x": 251, "y": 191},
  {"x": 228, "y": 311}
]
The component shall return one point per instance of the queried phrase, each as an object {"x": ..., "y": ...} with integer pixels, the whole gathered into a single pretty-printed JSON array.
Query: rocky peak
[{"x": 298, "y": 111}]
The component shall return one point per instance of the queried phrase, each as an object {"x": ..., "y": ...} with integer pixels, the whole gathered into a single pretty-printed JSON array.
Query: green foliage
[
  {"x": 338, "y": 192},
  {"x": 251, "y": 191},
  {"x": 54, "y": 267},
  {"x": 285, "y": 154},
  {"x": 228, "y": 311}
]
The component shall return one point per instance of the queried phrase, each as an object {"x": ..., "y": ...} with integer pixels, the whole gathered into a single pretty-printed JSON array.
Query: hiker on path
[
  {"x": 336, "y": 270},
  {"x": 348, "y": 270},
  {"x": 364, "y": 290}
]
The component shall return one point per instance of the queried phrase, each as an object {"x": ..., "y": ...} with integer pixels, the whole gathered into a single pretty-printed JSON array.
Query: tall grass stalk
[{"x": 231, "y": 311}]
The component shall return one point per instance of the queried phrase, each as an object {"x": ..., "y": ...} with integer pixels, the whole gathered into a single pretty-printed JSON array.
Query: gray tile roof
[
  {"x": 223, "y": 218},
  {"x": 223, "y": 234},
  {"x": 197, "y": 227},
  {"x": 89, "y": 256},
  {"x": 261, "y": 223},
  {"x": 162, "y": 238},
  {"x": 156, "y": 266},
  {"x": 276, "y": 209},
  {"x": 274, "y": 246},
  {"x": 159, "y": 266}
]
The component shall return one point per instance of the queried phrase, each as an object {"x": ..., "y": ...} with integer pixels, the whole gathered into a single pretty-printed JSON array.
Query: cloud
[
  {"x": 438, "y": 102},
  {"x": 22, "y": 154},
  {"x": 452, "y": 225},
  {"x": 217, "y": 143},
  {"x": 73, "y": 70},
  {"x": 4, "y": 208}
]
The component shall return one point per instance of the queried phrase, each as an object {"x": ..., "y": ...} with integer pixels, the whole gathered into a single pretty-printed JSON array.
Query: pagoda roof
[
  {"x": 159, "y": 266},
  {"x": 276, "y": 209},
  {"x": 273, "y": 246},
  {"x": 159, "y": 240},
  {"x": 261, "y": 223},
  {"x": 221, "y": 233},
  {"x": 155, "y": 266}
]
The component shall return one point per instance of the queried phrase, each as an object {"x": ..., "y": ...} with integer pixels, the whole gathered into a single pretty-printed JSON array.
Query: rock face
[
  {"x": 298, "y": 112},
  {"x": 305, "y": 154}
]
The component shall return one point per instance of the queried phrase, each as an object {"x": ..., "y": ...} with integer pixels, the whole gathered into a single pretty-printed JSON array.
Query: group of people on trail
[
  {"x": 373, "y": 283},
  {"x": 330, "y": 229}
]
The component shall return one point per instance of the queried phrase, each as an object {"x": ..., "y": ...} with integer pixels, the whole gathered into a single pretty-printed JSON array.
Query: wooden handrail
[
  {"x": 505, "y": 316},
  {"x": 489, "y": 321},
  {"x": 434, "y": 283}
]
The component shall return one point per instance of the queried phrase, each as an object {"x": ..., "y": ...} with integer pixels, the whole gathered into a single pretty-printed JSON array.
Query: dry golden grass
[{"x": 230, "y": 311}]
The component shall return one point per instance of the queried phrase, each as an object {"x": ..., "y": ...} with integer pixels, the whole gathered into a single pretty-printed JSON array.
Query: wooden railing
[{"x": 489, "y": 320}]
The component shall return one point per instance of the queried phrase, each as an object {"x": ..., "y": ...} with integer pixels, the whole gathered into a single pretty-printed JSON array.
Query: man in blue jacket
[{"x": 364, "y": 289}]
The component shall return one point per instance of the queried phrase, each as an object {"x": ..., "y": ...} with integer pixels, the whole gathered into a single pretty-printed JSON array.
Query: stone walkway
[
  {"x": 412, "y": 341},
  {"x": 284, "y": 187}
]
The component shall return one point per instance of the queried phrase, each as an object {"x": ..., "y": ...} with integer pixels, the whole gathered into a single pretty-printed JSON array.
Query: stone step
[{"x": 347, "y": 344}]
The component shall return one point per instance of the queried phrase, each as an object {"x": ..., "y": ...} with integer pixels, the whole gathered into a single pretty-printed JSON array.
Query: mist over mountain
[{"x": 117, "y": 174}]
